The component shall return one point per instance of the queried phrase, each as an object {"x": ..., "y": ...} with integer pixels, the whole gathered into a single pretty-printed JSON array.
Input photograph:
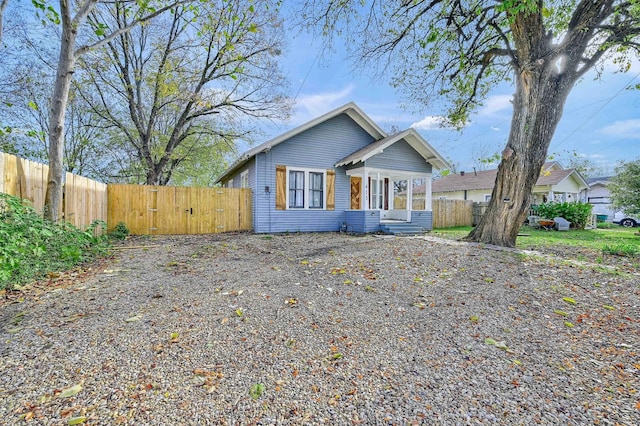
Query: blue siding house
[{"x": 340, "y": 171}]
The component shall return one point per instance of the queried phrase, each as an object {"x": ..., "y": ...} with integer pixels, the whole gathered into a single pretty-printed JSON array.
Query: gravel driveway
[{"x": 323, "y": 329}]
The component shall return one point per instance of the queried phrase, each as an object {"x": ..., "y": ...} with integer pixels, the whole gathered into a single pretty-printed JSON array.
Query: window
[
  {"x": 306, "y": 189},
  {"x": 377, "y": 194},
  {"x": 296, "y": 189},
  {"x": 244, "y": 179},
  {"x": 487, "y": 198},
  {"x": 316, "y": 190}
]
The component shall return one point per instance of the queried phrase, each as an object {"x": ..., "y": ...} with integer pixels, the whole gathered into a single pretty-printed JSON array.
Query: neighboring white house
[
  {"x": 599, "y": 197},
  {"x": 554, "y": 184}
]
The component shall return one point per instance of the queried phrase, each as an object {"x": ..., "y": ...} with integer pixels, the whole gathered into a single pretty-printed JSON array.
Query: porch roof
[{"x": 411, "y": 136}]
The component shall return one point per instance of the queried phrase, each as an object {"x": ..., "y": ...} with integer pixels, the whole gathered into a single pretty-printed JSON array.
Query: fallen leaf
[
  {"x": 69, "y": 392},
  {"x": 569, "y": 300},
  {"x": 256, "y": 390},
  {"x": 501, "y": 345},
  {"x": 76, "y": 420}
]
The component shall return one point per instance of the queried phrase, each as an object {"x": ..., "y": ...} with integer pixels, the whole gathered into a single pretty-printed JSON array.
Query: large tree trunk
[
  {"x": 66, "y": 64},
  {"x": 541, "y": 92}
]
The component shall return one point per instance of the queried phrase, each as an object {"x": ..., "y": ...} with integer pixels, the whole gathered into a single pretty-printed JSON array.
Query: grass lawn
[{"x": 615, "y": 240}]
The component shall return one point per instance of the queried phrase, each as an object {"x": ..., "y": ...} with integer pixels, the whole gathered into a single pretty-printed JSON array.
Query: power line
[{"x": 597, "y": 111}]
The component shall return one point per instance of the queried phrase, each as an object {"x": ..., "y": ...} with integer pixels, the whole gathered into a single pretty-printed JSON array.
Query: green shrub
[
  {"x": 119, "y": 232},
  {"x": 576, "y": 213},
  {"x": 30, "y": 246}
]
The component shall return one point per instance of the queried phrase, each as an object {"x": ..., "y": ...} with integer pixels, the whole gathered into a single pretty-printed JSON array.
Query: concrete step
[{"x": 402, "y": 229}]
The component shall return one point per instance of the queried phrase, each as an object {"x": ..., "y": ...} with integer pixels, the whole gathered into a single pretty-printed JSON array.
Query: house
[
  {"x": 598, "y": 196},
  {"x": 340, "y": 171},
  {"x": 554, "y": 184}
]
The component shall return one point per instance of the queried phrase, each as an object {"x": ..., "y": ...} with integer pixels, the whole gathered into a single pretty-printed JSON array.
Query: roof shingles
[{"x": 486, "y": 180}]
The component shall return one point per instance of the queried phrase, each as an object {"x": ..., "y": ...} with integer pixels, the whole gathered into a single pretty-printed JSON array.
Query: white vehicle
[{"x": 625, "y": 220}]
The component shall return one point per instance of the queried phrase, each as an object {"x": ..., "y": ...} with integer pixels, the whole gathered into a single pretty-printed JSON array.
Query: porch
[{"x": 387, "y": 201}]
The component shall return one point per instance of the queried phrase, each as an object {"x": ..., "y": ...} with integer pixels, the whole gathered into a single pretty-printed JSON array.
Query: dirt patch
[{"x": 325, "y": 329}]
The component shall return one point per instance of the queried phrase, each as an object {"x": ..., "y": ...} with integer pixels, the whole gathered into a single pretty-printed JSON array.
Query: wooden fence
[
  {"x": 84, "y": 201},
  {"x": 167, "y": 210},
  {"x": 479, "y": 209},
  {"x": 448, "y": 213}
]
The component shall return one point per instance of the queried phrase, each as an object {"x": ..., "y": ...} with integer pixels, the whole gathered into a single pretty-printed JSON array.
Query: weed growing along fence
[{"x": 31, "y": 247}]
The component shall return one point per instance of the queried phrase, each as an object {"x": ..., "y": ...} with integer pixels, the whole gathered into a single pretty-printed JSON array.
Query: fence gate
[{"x": 170, "y": 210}]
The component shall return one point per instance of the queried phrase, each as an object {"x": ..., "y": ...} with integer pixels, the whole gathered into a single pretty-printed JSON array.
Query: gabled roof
[
  {"x": 603, "y": 180},
  {"x": 411, "y": 136},
  {"x": 351, "y": 109},
  {"x": 551, "y": 166},
  {"x": 486, "y": 180},
  {"x": 457, "y": 181}
]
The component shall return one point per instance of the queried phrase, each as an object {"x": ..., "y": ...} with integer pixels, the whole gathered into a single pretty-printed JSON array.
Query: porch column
[
  {"x": 410, "y": 195},
  {"x": 365, "y": 189},
  {"x": 389, "y": 194},
  {"x": 427, "y": 193}
]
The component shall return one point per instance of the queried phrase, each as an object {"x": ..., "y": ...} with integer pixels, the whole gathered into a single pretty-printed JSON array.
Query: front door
[
  {"x": 356, "y": 193},
  {"x": 378, "y": 196}
]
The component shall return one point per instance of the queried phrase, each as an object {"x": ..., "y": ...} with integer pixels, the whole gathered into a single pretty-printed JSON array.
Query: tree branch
[{"x": 82, "y": 50}]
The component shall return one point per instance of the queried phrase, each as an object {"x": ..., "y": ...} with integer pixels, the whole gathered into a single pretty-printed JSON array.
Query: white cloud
[
  {"x": 495, "y": 103},
  {"x": 628, "y": 129},
  {"x": 312, "y": 106},
  {"x": 495, "y": 129},
  {"x": 432, "y": 122}
]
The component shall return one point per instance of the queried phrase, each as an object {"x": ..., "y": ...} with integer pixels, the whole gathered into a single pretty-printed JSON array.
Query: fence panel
[
  {"x": 448, "y": 213},
  {"x": 23, "y": 178},
  {"x": 167, "y": 210},
  {"x": 85, "y": 200},
  {"x": 479, "y": 209}
]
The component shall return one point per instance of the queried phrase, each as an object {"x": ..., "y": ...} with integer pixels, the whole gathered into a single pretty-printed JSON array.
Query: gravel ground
[{"x": 323, "y": 329}]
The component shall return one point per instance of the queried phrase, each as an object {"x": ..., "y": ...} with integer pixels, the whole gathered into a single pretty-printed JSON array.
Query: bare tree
[
  {"x": 72, "y": 17},
  {"x": 457, "y": 51},
  {"x": 177, "y": 88}
]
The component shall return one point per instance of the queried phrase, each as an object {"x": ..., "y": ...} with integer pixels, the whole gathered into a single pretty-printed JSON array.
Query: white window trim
[
  {"x": 306, "y": 188},
  {"x": 487, "y": 198},
  {"x": 244, "y": 179}
]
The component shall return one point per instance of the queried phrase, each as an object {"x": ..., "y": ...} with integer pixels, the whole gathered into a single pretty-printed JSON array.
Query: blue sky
[{"x": 601, "y": 119}]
